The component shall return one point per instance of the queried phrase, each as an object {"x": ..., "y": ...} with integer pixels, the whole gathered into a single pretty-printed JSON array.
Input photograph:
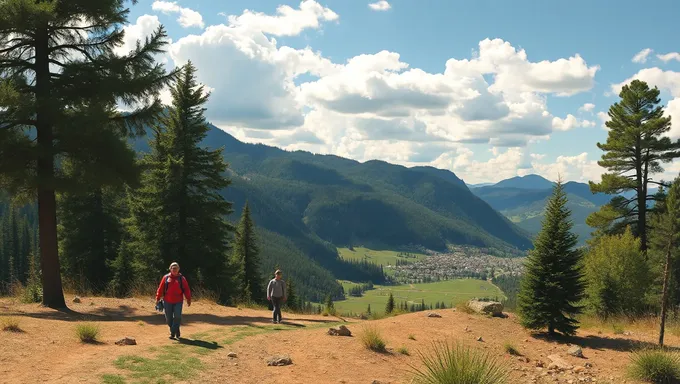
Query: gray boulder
[
  {"x": 279, "y": 360},
  {"x": 493, "y": 308}
]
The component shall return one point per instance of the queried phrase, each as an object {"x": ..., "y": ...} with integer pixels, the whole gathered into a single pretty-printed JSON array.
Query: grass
[
  {"x": 371, "y": 339},
  {"x": 451, "y": 292},
  {"x": 170, "y": 366},
  {"x": 511, "y": 349},
  {"x": 454, "y": 363},
  {"x": 87, "y": 332},
  {"x": 113, "y": 379},
  {"x": 10, "y": 324},
  {"x": 655, "y": 366},
  {"x": 411, "y": 337},
  {"x": 403, "y": 351},
  {"x": 384, "y": 257}
]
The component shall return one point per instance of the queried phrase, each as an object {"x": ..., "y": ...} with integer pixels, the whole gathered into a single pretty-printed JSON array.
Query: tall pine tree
[
  {"x": 60, "y": 80},
  {"x": 634, "y": 151},
  {"x": 246, "y": 259},
  {"x": 553, "y": 281},
  {"x": 178, "y": 213}
]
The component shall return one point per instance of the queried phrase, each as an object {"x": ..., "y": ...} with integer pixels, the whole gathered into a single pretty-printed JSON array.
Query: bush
[
  {"x": 509, "y": 348},
  {"x": 372, "y": 340},
  {"x": 10, "y": 324},
  {"x": 403, "y": 351},
  {"x": 655, "y": 366},
  {"x": 87, "y": 332},
  {"x": 459, "y": 364}
]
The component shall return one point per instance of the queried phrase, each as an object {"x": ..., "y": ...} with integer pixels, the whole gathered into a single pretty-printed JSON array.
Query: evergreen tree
[
  {"x": 422, "y": 304},
  {"x": 245, "y": 258},
  {"x": 665, "y": 239},
  {"x": 293, "y": 300},
  {"x": 178, "y": 213},
  {"x": 368, "y": 310},
  {"x": 330, "y": 307},
  {"x": 634, "y": 151},
  {"x": 553, "y": 283},
  {"x": 389, "y": 307},
  {"x": 60, "y": 81}
]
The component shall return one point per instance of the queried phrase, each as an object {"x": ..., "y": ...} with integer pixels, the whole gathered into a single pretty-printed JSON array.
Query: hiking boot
[
  {"x": 172, "y": 336},
  {"x": 177, "y": 333}
]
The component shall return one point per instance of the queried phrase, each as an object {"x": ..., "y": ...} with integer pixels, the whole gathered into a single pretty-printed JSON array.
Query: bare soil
[{"x": 48, "y": 351}]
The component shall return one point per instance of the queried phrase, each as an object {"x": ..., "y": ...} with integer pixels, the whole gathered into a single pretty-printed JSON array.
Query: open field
[
  {"x": 47, "y": 350},
  {"x": 384, "y": 257},
  {"x": 450, "y": 292}
]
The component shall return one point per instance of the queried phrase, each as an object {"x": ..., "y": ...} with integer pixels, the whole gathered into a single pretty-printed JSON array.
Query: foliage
[
  {"x": 617, "y": 276},
  {"x": 18, "y": 241},
  {"x": 511, "y": 349},
  {"x": 245, "y": 260},
  {"x": 510, "y": 285},
  {"x": 553, "y": 285},
  {"x": 389, "y": 307},
  {"x": 10, "y": 324},
  {"x": 447, "y": 363},
  {"x": 87, "y": 332},
  {"x": 655, "y": 366},
  {"x": 634, "y": 151},
  {"x": 372, "y": 339}
]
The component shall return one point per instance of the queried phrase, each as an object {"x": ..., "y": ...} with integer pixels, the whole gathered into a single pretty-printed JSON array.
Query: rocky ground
[{"x": 230, "y": 345}]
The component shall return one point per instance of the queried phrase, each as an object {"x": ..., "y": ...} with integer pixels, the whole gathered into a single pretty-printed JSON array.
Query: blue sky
[{"x": 285, "y": 80}]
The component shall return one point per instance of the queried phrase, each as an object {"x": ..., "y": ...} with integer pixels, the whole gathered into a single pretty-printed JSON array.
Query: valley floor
[{"x": 47, "y": 349}]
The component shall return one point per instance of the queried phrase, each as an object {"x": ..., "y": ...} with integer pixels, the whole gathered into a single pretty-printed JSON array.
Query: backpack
[{"x": 165, "y": 288}]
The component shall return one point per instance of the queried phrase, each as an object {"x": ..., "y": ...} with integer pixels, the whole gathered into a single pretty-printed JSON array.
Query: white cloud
[
  {"x": 187, "y": 17},
  {"x": 570, "y": 168},
  {"x": 381, "y": 5},
  {"x": 669, "y": 56},
  {"x": 287, "y": 21},
  {"x": 604, "y": 117},
  {"x": 570, "y": 122},
  {"x": 587, "y": 107},
  {"x": 641, "y": 57}
]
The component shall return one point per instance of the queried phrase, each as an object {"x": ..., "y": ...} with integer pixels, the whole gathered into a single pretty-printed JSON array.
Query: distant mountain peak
[{"x": 531, "y": 181}]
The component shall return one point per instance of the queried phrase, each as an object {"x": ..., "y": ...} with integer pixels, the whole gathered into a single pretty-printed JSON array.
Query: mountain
[
  {"x": 307, "y": 205},
  {"x": 523, "y": 200}
]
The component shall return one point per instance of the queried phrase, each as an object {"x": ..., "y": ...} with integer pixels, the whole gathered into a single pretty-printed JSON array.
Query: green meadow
[{"x": 384, "y": 257}]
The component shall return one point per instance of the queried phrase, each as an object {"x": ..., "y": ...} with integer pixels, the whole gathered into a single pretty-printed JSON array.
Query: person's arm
[
  {"x": 187, "y": 291},
  {"x": 269, "y": 290},
  {"x": 159, "y": 292}
]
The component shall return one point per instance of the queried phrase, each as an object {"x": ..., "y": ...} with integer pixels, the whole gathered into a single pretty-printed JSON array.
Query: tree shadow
[
  {"x": 212, "y": 345},
  {"x": 601, "y": 343}
]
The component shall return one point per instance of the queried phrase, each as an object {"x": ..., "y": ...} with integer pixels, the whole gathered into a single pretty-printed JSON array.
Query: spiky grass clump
[
  {"x": 403, "y": 351},
  {"x": 455, "y": 363},
  {"x": 87, "y": 332},
  {"x": 372, "y": 339},
  {"x": 10, "y": 324},
  {"x": 511, "y": 349},
  {"x": 655, "y": 366}
]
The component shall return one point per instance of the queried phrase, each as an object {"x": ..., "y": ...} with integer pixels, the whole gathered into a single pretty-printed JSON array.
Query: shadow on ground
[{"x": 601, "y": 343}]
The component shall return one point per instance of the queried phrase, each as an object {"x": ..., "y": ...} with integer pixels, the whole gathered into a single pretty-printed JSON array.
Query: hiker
[
  {"x": 276, "y": 293},
  {"x": 172, "y": 291}
]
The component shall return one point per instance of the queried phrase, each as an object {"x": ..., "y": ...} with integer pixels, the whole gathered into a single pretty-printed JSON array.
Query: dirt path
[{"x": 212, "y": 332}]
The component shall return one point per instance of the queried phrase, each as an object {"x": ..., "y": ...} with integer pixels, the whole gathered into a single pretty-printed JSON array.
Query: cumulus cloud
[
  {"x": 570, "y": 122},
  {"x": 187, "y": 17},
  {"x": 381, "y": 5},
  {"x": 669, "y": 56},
  {"x": 288, "y": 21},
  {"x": 587, "y": 107},
  {"x": 641, "y": 57},
  {"x": 603, "y": 117}
]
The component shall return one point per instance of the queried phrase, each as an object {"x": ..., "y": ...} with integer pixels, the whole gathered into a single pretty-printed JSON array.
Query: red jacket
[{"x": 174, "y": 292}]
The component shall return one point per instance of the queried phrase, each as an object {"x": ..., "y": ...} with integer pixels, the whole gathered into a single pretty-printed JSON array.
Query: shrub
[
  {"x": 10, "y": 324},
  {"x": 87, "y": 332},
  {"x": 655, "y": 366},
  {"x": 411, "y": 337},
  {"x": 372, "y": 339},
  {"x": 509, "y": 348},
  {"x": 459, "y": 364},
  {"x": 403, "y": 351}
]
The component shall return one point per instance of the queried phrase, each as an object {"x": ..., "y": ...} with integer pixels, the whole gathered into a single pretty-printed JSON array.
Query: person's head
[
  {"x": 174, "y": 268},
  {"x": 278, "y": 274}
]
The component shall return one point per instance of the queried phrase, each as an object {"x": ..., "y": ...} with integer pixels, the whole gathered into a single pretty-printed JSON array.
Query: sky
[{"x": 486, "y": 89}]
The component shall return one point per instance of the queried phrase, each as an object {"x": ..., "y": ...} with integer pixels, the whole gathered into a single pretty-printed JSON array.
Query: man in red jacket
[{"x": 173, "y": 288}]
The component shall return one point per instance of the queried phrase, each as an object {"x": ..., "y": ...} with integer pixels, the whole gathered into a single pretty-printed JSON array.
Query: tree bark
[
  {"x": 664, "y": 295},
  {"x": 53, "y": 294}
]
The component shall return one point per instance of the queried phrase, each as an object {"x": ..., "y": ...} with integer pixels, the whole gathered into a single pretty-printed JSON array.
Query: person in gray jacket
[{"x": 276, "y": 293}]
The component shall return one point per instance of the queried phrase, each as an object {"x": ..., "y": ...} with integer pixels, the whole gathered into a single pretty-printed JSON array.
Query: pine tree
[
  {"x": 61, "y": 79},
  {"x": 553, "y": 283},
  {"x": 330, "y": 307},
  {"x": 422, "y": 304},
  {"x": 293, "y": 300},
  {"x": 665, "y": 239},
  {"x": 634, "y": 151},
  {"x": 389, "y": 307},
  {"x": 368, "y": 310},
  {"x": 245, "y": 257},
  {"x": 178, "y": 213}
]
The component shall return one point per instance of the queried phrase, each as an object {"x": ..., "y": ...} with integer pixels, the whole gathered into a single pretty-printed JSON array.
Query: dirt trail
[{"x": 48, "y": 351}]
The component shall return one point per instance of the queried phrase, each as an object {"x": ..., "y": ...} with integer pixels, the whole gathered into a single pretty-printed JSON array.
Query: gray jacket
[{"x": 276, "y": 288}]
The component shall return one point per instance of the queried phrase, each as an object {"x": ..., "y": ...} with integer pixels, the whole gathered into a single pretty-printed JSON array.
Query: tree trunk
[
  {"x": 664, "y": 295},
  {"x": 53, "y": 295}
]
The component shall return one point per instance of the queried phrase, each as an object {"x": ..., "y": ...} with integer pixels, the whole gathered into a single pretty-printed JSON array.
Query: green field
[
  {"x": 450, "y": 292},
  {"x": 383, "y": 257}
]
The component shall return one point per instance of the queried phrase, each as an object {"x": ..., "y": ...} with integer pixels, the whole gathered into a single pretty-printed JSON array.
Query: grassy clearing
[
  {"x": 655, "y": 366},
  {"x": 169, "y": 366},
  {"x": 87, "y": 332},
  {"x": 372, "y": 339},
  {"x": 451, "y": 292},
  {"x": 447, "y": 363},
  {"x": 10, "y": 324},
  {"x": 384, "y": 257}
]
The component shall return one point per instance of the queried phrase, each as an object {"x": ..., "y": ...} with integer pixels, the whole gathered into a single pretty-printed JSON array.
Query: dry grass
[
  {"x": 10, "y": 324},
  {"x": 87, "y": 332},
  {"x": 373, "y": 340}
]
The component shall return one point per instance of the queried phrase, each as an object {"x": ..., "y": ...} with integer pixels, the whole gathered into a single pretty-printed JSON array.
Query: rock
[
  {"x": 232, "y": 354},
  {"x": 340, "y": 331},
  {"x": 579, "y": 369},
  {"x": 588, "y": 365},
  {"x": 559, "y": 362},
  {"x": 523, "y": 359},
  {"x": 433, "y": 314},
  {"x": 493, "y": 308},
  {"x": 76, "y": 299},
  {"x": 479, "y": 338},
  {"x": 575, "y": 351},
  {"x": 539, "y": 364},
  {"x": 279, "y": 360},
  {"x": 126, "y": 341}
]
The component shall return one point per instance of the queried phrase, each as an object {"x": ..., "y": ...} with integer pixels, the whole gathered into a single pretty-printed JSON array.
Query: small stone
[
  {"x": 232, "y": 354},
  {"x": 279, "y": 360},
  {"x": 433, "y": 314},
  {"x": 579, "y": 369},
  {"x": 523, "y": 359},
  {"x": 76, "y": 299},
  {"x": 588, "y": 365},
  {"x": 340, "y": 331},
  {"x": 539, "y": 363},
  {"x": 575, "y": 351},
  {"x": 126, "y": 341},
  {"x": 479, "y": 338}
]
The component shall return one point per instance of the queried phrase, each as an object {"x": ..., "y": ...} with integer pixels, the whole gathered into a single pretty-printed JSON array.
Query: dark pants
[
  {"x": 173, "y": 316},
  {"x": 276, "y": 302}
]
